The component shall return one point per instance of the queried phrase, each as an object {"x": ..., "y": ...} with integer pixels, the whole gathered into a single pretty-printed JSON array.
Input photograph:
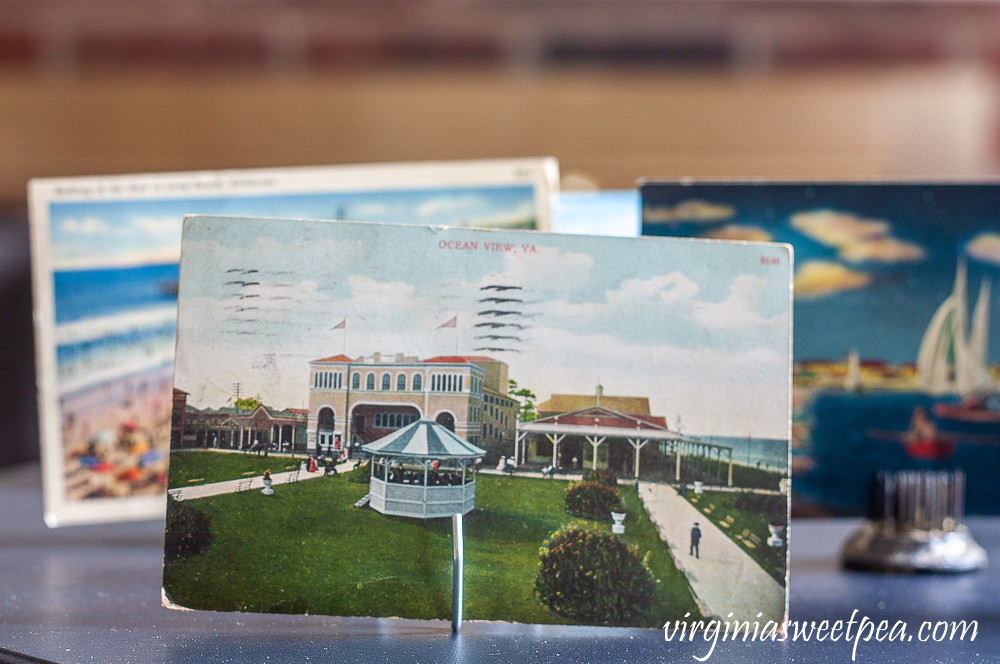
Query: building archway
[
  {"x": 369, "y": 421},
  {"x": 447, "y": 420},
  {"x": 325, "y": 422}
]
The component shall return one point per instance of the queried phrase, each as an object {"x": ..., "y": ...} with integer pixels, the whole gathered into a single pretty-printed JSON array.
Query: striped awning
[{"x": 424, "y": 439}]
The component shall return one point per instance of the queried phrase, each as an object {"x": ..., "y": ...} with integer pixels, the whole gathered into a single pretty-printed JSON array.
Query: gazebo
[{"x": 422, "y": 470}]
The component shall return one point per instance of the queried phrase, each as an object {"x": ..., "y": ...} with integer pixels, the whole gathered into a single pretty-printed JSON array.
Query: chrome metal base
[{"x": 882, "y": 547}]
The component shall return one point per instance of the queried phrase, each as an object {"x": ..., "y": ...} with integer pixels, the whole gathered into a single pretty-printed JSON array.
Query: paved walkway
[
  {"x": 251, "y": 483},
  {"x": 725, "y": 578}
]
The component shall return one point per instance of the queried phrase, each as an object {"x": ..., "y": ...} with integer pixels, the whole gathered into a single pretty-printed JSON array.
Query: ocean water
[
  {"x": 113, "y": 322},
  {"x": 847, "y": 454},
  {"x": 83, "y": 294},
  {"x": 765, "y": 453}
]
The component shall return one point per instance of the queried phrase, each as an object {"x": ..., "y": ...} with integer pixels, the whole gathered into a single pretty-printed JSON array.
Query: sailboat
[
  {"x": 852, "y": 383},
  {"x": 949, "y": 362}
]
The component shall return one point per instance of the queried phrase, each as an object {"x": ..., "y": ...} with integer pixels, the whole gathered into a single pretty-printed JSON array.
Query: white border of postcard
[{"x": 542, "y": 173}]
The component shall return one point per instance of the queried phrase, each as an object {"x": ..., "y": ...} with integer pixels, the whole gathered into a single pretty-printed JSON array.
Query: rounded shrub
[
  {"x": 591, "y": 500},
  {"x": 188, "y": 531},
  {"x": 605, "y": 477},
  {"x": 594, "y": 577}
]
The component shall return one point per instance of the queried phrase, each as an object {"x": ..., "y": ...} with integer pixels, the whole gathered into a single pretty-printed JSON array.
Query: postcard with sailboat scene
[
  {"x": 343, "y": 388},
  {"x": 895, "y": 367},
  {"x": 105, "y": 252}
]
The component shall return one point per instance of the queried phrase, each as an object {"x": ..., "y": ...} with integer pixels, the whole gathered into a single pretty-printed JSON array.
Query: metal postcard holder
[{"x": 915, "y": 525}]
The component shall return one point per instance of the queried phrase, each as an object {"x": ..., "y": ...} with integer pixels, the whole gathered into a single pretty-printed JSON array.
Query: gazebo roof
[{"x": 424, "y": 439}]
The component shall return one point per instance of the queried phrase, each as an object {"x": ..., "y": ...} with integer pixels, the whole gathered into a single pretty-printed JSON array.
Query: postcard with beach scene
[
  {"x": 105, "y": 252},
  {"x": 895, "y": 367},
  {"x": 611, "y": 415}
]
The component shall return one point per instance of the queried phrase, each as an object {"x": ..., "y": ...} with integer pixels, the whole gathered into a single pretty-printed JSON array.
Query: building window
[
  {"x": 447, "y": 383},
  {"x": 401, "y": 382},
  {"x": 370, "y": 382},
  {"x": 356, "y": 381},
  {"x": 393, "y": 420},
  {"x": 386, "y": 381},
  {"x": 418, "y": 382}
]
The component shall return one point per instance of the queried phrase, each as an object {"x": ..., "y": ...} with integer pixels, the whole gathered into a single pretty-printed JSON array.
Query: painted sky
[
  {"x": 612, "y": 212},
  {"x": 135, "y": 232},
  {"x": 701, "y": 328},
  {"x": 873, "y": 261}
]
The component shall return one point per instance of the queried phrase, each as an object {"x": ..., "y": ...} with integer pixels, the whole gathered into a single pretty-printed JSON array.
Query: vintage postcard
[
  {"x": 611, "y": 415},
  {"x": 105, "y": 253},
  {"x": 895, "y": 368}
]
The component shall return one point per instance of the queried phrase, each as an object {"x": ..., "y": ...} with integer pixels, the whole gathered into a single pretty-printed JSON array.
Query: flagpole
[
  {"x": 342, "y": 325},
  {"x": 453, "y": 323}
]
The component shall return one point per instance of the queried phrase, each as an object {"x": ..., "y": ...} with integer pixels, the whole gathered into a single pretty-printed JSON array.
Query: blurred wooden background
[
  {"x": 611, "y": 126},
  {"x": 616, "y": 89}
]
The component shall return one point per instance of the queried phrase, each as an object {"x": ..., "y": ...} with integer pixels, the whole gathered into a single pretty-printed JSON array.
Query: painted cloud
[
  {"x": 744, "y": 232},
  {"x": 856, "y": 239},
  {"x": 815, "y": 279},
  {"x": 985, "y": 247},
  {"x": 691, "y": 211}
]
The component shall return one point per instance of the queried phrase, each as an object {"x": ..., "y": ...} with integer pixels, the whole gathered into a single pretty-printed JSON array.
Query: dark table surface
[{"x": 91, "y": 593}]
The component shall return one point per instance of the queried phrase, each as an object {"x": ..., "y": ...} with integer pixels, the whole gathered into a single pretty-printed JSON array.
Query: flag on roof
[
  {"x": 340, "y": 326},
  {"x": 452, "y": 323}
]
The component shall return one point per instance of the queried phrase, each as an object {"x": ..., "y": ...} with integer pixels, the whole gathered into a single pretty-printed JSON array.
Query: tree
[
  {"x": 246, "y": 404},
  {"x": 527, "y": 399}
]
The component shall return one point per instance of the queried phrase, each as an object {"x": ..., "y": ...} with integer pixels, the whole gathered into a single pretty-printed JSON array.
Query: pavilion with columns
[{"x": 591, "y": 431}]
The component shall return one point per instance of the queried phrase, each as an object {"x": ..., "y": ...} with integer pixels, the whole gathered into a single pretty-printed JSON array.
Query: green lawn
[
  {"x": 721, "y": 507},
  {"x": 308, "y": 549},
  {"x": 211, "y": 466}
]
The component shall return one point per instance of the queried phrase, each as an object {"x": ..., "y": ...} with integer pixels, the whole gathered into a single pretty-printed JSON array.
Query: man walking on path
[{"x": 695, "y": 538}]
